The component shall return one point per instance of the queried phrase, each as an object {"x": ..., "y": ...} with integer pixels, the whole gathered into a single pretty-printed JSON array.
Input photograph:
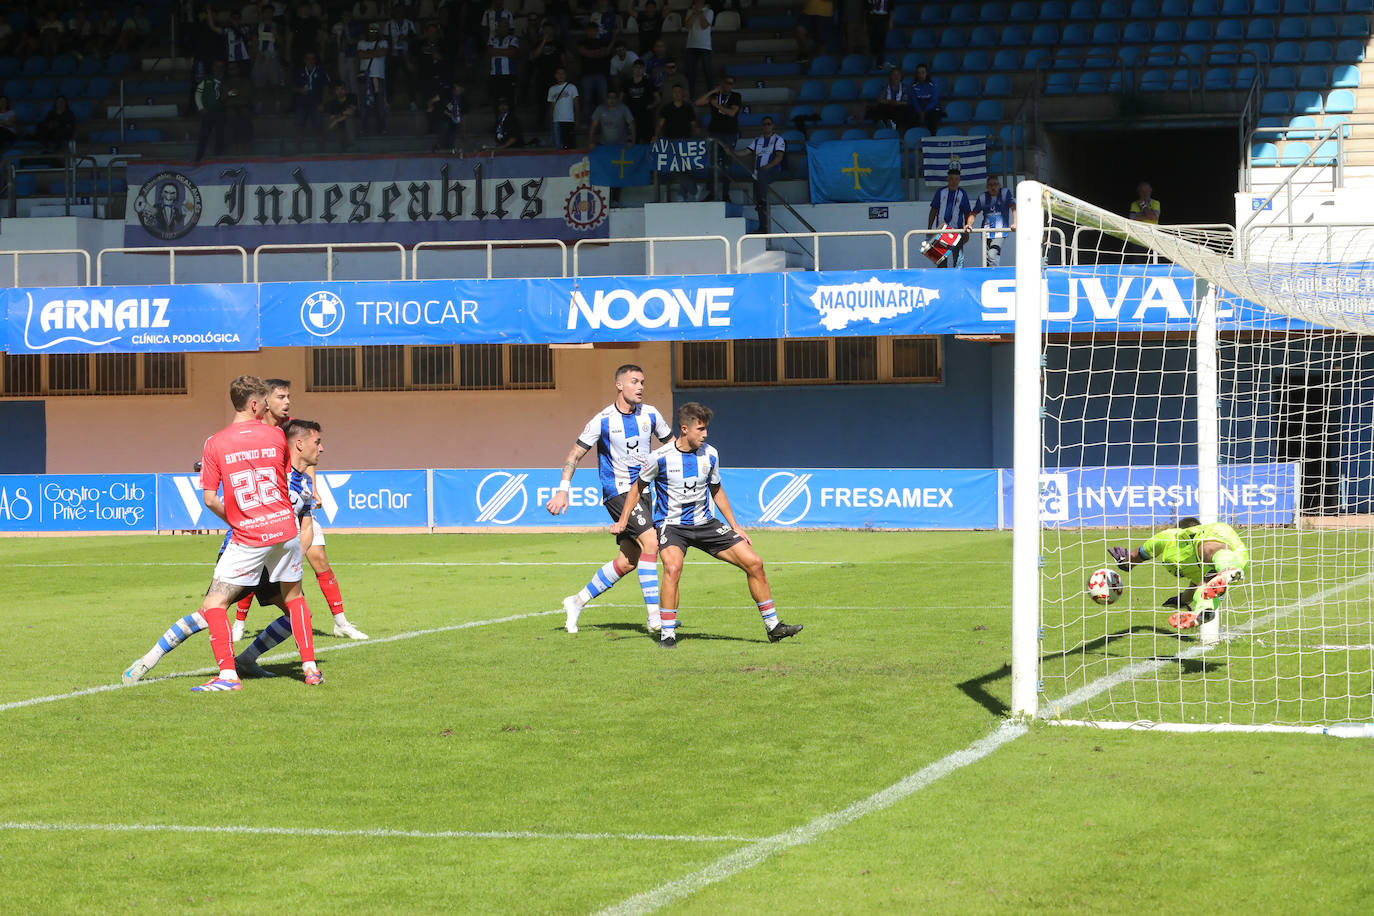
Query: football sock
[
  {"x": 669, "y": 623},
  {"x": 329, "y": 587},
  {"x": 770, "y": 616},
  {"x": 191, "y": 623},
  {"x": 221, "y": 642},
  {"x": 268, "y": 639},
  {"x": 244, "y": 604},
  {"x": 605, "y": 577},
  {"x": 301, "y": 629},
  {"x": 648, "y": 581}
]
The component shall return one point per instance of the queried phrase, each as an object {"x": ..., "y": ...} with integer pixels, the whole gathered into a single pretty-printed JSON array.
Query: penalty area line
[{"x": 372, "y": 832}]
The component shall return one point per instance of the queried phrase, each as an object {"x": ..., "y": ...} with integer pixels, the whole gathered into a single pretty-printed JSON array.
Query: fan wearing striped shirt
[{"x": 682, "y": 473}]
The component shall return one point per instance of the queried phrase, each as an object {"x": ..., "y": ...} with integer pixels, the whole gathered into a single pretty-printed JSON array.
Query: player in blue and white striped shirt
[
  {"x": 622, "y": 434},
  {"x": 685, "y": 475}
]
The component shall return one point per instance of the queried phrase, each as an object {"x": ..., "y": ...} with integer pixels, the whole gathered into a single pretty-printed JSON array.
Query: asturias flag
[
  {"x": 621, "y": 166},
  {"x": 848, "y": 171}
]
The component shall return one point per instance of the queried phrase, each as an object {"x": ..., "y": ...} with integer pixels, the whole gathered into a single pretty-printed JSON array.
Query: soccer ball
[{"x": 1105, "y": 586}]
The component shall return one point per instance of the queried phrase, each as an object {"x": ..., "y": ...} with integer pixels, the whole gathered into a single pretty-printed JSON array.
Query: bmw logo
[{"x": 322, "y": 313}]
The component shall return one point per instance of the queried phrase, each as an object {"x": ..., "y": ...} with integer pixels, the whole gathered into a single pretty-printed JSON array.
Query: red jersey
[{"x": 250, "y": 460}]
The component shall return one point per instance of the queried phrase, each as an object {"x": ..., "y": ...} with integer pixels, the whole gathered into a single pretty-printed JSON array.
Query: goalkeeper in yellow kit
[{"x": 1210, "y": 557}]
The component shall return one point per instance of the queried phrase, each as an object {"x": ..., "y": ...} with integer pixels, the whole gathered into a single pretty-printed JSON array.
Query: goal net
[{"x": 1166, "y": 375}]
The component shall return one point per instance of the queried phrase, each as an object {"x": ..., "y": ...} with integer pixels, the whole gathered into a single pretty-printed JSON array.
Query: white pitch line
[
  {"x": 760, "y": 850},
  {"x": 374, "y": 832}
]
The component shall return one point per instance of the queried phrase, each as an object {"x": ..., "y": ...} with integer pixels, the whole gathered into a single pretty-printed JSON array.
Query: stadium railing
[
  {"x": 171, "y": 253},
  {"x": 815, "y": 236},
  {"x": 328, "y": 248},
  {"x": 81, "y": 252},
  {"x": 982, "y": 233},
  {"x": 651, "y": 241},
  {"x": 490, "y": 245}
]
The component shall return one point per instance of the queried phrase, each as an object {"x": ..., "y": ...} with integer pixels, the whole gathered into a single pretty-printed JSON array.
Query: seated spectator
[
  {"x": 446, "y": 119},
  {"x": 506, "y": 129},
  {"x": 925, "y": 101},
  {"x": 51, "y": 32},
  {"x": 893, "y": 104},
  {"x": 340, "y": 113},
  {"x": 238, "y": 105},
  {"x": 622, "y": 59},
  {"x": 58, "y": 127},
  {"x": 137, "y": 29}
]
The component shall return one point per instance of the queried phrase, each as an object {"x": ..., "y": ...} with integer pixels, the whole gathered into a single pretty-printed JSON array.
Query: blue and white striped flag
[{"x": 939, "y": 153}]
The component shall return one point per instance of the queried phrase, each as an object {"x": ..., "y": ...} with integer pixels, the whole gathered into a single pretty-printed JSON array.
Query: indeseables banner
[{"x": 251, "y": 202}]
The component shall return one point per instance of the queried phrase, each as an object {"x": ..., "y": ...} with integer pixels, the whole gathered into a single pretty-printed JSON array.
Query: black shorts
[
  {"x": 266, "y": 591},
  {"x": 715, "y": 537},
  {"x": 641, "y": 519}
]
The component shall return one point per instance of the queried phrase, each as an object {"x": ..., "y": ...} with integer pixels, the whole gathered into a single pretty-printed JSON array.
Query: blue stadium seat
[
  {"x": 1011, "y": 134},
  {"x": 1318, "y": 52},
  {"x": 1099, "y": 58},
  {"x": 1339, "y": 101},
  {"x": 1077, "y": 33},
  {"x": 1297, "y": 7},
  {"x": 1204, "y": 8},
  {"x": 1195, "y": 54},
  {"x": 1355, "y": 27},
  {"x": 953, "y": 37},
  {"x": 992, "y": 12},
  {"x": 1259, "y": 49},
  {"x": 984, "y": 36},
  {"x": 854, "y": 64},
  {"x": 934, "y": 14},
  {"x": 1230, "y": 30},
  {"x": 1325, "y": 153},
  {"x": 1311, "y": 77},
  {"x": 966, "y": 87},
  {"x": 1294, "y": 153},
  {"x": 16, "y": 89},
  {"x": 25, "y": 185},
  {"x": 1035, "y": 57},
  {"x": 1326, "y": 6},
  {"x": 26, "y": 112},
  {"x": 1197, "y": 30},
  {"x": 1308, "y": 102},
  {"x": 1066, "y": 59},
  {"x": 885, "y": 133},
  {"x": 1292, "y": 29},
  {"x": 1351, "y": 49},
  {"x": 83, "y": 109},
  {"x": 976, "y": 61},
  {"x": 844, "y": 90},
  {"x": 1301, "y": 127},
  {"x": 1006, "y": 59},
  {"x": 1045, "y": 34},
  {"x": 1167, "y": 32},
  {"x": 43, "y": 88},
  {"x": 822, "y": 136},
  {"x": 1264, "y": 154},
  {"x": 1015, "y": 35},
  {"x": 1344, "y": 76},
  {"x": 1154, "y": 81},
  {"x": 1223, "y": 55},
  {"x": 1323, "y": 27},
  {"x": 1083, "y": 9},
  {"x": 1173, "y": 9},
  {"x": 1287, "y": 52},
  {"x": 854, "y": 133},
  {"x": 792, "y": 136},
  {"x": 872, "y": 87},
  {"x": 1059, "y": 84},
  {"x": 1339, "y": 120},
  {"x": 1129, "y": 55},
  {"x": 964, "y": 12},
  {"x": 1282, "y": 78},
  {"x": 90, "y": 65},
  {"x": 9, "y": 67},
  {"x": 824, "y": 65},
  {"x": 1023, "y": 11},
  {"x": 36, "y": 65},
  {"x": 1054, "y": 10},
  {"x": 98, "y": 87},
  {"x": 913, "y": 135},
  {"x": 1113, "y": 9},
  {"x": 1218, "y": 79},
  {"x": 945, "y": 62},
  {"x": 1092, "y": 82},
  {"x": 1359, "y": 6},
  {"x": 1245, "y": 76},
  {"x": 911, "y": 60},
  {"x": 923, "y": 38},
  {"x": 1106, "y": 33},
  {"x": 800, "y": 111},
  {"x": 1136, "y": 33},
  {"x": 117, "y": 64},
  {"x": 896, "y": 40},
  {"x": 958, "y": 111},
  {"x": 1276, "y": 103},
  {"x": 978, "y": 130},
  {"x": 1264, "y": 7},
  {"x": 1144, "y": 9},
  {"x": 1161, "y": 56},
  {"x": 997, "y": 85},
  {"x": 1235, "y": 7},
  {"x": 988, "y": 110},
  {"x": 1260, "y": 30},
  {"x": 72, "y": 87},
  {"x": 834, "y": 114},
  {"x": 62, "y": 65},
  {"x": 903, "y": 17},
  {"x": 942, "y": 85}
]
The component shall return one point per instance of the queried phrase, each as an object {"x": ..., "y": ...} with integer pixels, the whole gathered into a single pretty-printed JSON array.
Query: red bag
[{"x": 941, "y": 245}]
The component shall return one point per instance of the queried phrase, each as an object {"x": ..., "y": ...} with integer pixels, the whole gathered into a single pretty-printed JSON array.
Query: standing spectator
[
  {"x": 238, "y": 105},
  {"x": 235, "y": 44},
  {"x": 925, "y": 100},
  {"x": 210, "y": 102},
  {"x": 813, "y": 32},
  {"x": 564, "y": 107},
  {"x": 137, "y": 29},
  {"x": 58, "y": 127},
  {"x": 622, "y": 59},
  {"x": 309, "y": 85},
  {"x": 893, "y": 104},
  {"x": 501, "y": 51},
  {"x": 768, "y": 151},
  {"x": 431, "y": 64},
  {"x": 400, "y": 66},
  {"x": 640, "y": 97},
  {"x": 604, "y": 18},
  {"x": 1145, "y": 209},
  {"x": 612, "y": 123},
  {"x": 207, "y": 46},
  {"x": 494, "y": 15},
  {"x": 506, "y": 129},
  {"x": 879, "y": 21},
  {"x": 678, "y": 121},
  {"x": 649, "y": 23},
  {"x": 51, "y": 32},
  {"x": 999, "y": 212},
  {"x": 305, "y": 34},
  {"x": 340, "y": 117},
  {"x": 950, "y": 207},
  {"x": 672, "y": 77},
  {"x": 446, "y": 119},
  {"x": 698, "y": 24},
  {"x": 344, "y": 36},
  {"x": 656, "y": 64},
  {"x": 267, "y": 69},
  {"x": 725, "y": 105},
  {"x": 546, "y": 56},
  {"x": 595, "y": 57},
  {"x": 372, "y": 80}
]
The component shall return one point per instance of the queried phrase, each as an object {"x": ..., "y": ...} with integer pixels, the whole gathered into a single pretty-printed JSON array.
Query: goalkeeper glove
[{"x": 1121, "y": 556}]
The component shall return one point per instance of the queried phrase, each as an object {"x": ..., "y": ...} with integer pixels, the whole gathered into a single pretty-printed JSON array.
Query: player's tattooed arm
[
  {"x": 558, "y": 503},
  {"x": 574, "y": 456}
]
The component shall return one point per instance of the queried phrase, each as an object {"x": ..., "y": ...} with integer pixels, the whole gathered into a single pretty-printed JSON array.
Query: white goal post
[{"x": 1180, "y": 373}]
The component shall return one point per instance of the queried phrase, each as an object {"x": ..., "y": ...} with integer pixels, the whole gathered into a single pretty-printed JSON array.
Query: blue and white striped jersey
[
  {"x": 682, "y": 482},
  {"x": 622, "y": 444},
  {"x": 302, "y": 501}
]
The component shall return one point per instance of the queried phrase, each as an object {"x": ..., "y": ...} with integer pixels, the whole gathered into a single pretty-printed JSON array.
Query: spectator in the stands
[
  {"x": 501, "y": 51},
  {"x": 9, "y": 123},
  {"x": 431, "y": 63},
  {"x": 372, "y": 80},
  {"x": 79, "y": 35},
  {"x": 622, "y": 59},
  {"x": 506, "y": 128},
  {"x": 656, "y": 64},
  {"x": 1145, "y": 208},
  {"x": 925, "y": 101},
  {"x": 606, "y": 21},
  {"x": 697, "y": 22},
  {"x": 595, "y": 57},
  {"x": 641, "y": 98},
  {"x": 235, "y": 42},
  {"x": 446, "y": 119},
  {"x": 210, "y": 102},
  {"x": 879, "y": 21},
  {"x": 950, "y": 207},
  {"x": 767, "y": 150},
  {"x": 678, "y": 121},
  {"x": 309, "y": 86},
  {"x": 649, "y": 23},
  {"x": 107, "y": 36},
  {"x": 494, "y": 14},
  {"x": 51, "y": 32},
  {"x": 306, "y": 29},
  {"x": 343, "y": 38},
  {"x": 564, "y": 105},
  {"x": 672, "y": 76},
  {"x": 340, "y": 111},
  {"x": 207, "y": 46},
  {"x": 893, "y": 104},
  {"x": 546, "y": 56},
  {"x": 6, "y": 36},
  {"x": 267, "y": 69},
  {"x": 612, "y": 123},
  {"x": 813, "y": 32},
  {"x": 724, "y": 105},
  {"x": 400, "y": 65},
  {"x": 137, "y": 29},
  {"x": 239, "y": 100}
]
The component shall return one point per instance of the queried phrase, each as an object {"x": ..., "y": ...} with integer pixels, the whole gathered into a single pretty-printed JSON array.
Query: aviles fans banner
[{"x": 251, "y": 202}]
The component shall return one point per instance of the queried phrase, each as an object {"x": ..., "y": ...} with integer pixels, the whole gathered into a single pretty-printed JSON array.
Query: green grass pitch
[{"x": 508, "y": 767}]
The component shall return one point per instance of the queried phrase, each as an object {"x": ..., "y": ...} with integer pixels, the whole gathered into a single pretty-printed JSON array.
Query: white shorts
[
  {"x": 242, "y": 565},
  {"x": 316, "y": 533}
]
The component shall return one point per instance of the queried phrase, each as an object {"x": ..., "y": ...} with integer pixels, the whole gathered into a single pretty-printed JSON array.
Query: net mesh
[{"x": 1294, "y": 452}]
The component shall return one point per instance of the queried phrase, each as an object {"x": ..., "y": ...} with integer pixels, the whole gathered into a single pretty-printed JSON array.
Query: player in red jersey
[
  {"x": 279, "y": 414},
  {"x": 251, "y": 460}
]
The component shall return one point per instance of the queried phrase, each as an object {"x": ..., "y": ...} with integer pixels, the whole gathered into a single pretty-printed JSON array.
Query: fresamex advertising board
[{"x": 78, "y": 502}]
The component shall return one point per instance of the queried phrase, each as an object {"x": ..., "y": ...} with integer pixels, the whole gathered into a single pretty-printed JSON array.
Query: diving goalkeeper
[{"x": 1211, "y": 557}]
